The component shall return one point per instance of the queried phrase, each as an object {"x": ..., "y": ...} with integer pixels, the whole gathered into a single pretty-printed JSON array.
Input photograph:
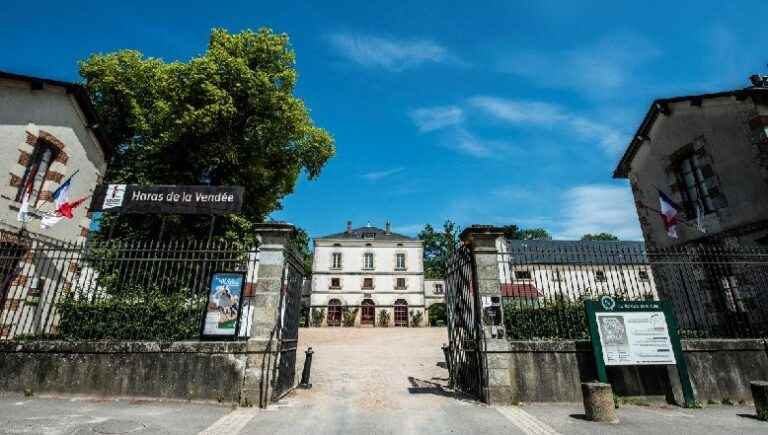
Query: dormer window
[{"x": 369, "y": 236}]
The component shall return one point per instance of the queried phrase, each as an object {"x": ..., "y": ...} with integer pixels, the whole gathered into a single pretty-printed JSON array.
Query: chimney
[
  {"x": 349, "y": 226},
  {"x": 387, "y": 228}
]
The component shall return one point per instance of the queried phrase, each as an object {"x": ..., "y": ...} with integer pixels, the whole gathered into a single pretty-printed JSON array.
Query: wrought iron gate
[
  {"x": 288, "y": 326},
  {"x": 465, "y": 331}
]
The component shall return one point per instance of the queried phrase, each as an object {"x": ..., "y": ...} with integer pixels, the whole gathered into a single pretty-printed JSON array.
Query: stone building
[
  {"x": 709, "y": 154},
  {"x": 48, "y": 131},
  {"x": 710, "y": 149},
  {"x": 545, "y": 271},
  {"x": 370, "y": 272}
]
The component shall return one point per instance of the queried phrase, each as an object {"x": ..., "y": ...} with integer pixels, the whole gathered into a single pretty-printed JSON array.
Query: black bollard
[
  {"x": 305, "y": 373},
  {"x": 447, "y": 353}
]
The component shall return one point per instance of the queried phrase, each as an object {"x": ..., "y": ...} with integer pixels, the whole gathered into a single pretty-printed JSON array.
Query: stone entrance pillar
[
  {"x": 264, "y": 295},
  {"x": 487, "y": 244}
]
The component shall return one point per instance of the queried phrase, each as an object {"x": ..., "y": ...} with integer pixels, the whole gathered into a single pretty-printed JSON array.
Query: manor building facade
[{"x": 368, "y": 276}]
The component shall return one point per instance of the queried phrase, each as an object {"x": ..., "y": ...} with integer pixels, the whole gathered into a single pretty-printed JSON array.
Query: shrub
[
  {"x": 318, "y": 315},
  {"x": 416, "y": 317},
  {"x": 384, "y": 318},
  {"x": 555, "y": 321},
  {"x": 348, "y": 316},
  {"x": 137, "y": 315}
]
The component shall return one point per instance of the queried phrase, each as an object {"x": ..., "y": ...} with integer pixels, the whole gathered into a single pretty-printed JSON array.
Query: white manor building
[{"x": 371, "y": 272}]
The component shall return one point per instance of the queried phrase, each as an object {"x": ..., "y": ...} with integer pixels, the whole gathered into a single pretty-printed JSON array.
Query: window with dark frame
[
  {"x": 523, "y": 274},
  {"x": 36, "y": 172},
  {"x": 367, "y": 283},
  {"x": 400, "y": 283},
  {"x": 438, "y": 289},
  {"x": 335, "y": 282},
  {"x": 600, "y": 276},
  {"x": 695, "y": 182}
]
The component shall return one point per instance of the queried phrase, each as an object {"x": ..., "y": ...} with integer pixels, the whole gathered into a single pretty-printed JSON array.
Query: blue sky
[{"x": 490, "y": 113}]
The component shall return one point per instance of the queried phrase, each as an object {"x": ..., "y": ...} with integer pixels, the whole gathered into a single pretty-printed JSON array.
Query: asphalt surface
[{"x": 365, "y": 381}]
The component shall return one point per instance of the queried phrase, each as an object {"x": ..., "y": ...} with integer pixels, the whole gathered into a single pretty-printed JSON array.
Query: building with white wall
[{"x": 374, "y": 271}]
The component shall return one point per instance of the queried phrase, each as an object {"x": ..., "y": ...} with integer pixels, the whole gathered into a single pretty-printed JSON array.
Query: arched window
[
  {"x": 401, "y": 312},
  {"x": 334, "y": 312},
  {"x": 368, "y": 312}
]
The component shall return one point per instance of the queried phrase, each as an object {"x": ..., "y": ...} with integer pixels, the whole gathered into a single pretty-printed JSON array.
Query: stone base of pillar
[
  {"x": 598, "y": 402},
  {"x": 256, "y": 389},
  {"x": 760, "y": 396}
]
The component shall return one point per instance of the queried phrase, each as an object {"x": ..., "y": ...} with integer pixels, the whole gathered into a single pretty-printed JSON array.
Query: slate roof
[
  {"x": 575, "y": 252},
  {"x": 357, "y": 234}
]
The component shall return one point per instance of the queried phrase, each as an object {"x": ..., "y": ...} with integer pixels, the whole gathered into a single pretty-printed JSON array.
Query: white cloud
[
  {"x": 595, "y": 69},
  {"x": 465, "y": 142},
  {"x": 390, "y": 53},
  {"x": 378, "y": 175},
  {"x": 596, "y": 208},
  {"x": 543, "y": 114},
  {"x": 435, "y": 118}
]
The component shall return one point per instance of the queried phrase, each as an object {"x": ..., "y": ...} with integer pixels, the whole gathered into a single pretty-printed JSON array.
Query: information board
[
  {"x": 627, "y": 333},
  {"x": 635, "y": 338}
]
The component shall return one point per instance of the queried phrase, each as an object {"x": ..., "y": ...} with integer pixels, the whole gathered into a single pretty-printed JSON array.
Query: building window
[
  {"x": 336, "y": 260},
  {"x": 368, "y": 260},
  {"x": 600, "y": 276},
  {"x": 367, "y": 283},
  {"x": 523, "y": 274},
  {"x": 438, "y": 289},
  {"x": 335, "y": 283},
  {"x": 400, "y": 284},
  {"x": 696, "y": 183},
  {"x": 400, "y": 261},
  {"x": 369, "y": 236},
  {"x": 36, "y": 171},
  {"x": 643, "y": 275},
  {"x": 334, "y": 312},
  {"x": 401, "y": 312}
]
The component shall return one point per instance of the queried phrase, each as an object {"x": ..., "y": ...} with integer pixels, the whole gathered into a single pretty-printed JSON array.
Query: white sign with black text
[{"x": 635, "y": 338}]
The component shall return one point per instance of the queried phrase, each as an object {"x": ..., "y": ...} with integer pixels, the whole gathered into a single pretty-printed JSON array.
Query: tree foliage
[
  {"x": 599, "y": 237},
  {"x": 533, "y": 234},
  {"x": 226, "y": 117},
  {"x": 438, "y": 247}
]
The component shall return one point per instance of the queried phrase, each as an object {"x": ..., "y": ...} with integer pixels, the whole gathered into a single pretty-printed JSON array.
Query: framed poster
[{"x": 224, "y": 306}]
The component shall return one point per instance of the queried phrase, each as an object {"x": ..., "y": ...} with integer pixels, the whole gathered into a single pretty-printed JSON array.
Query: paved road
[{"x": 366, "y": 381}]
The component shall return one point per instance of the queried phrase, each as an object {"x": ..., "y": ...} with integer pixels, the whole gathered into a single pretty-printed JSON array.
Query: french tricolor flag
[
  {"x": 670, "y": 213},
  {"x": 64, "y": 208}
]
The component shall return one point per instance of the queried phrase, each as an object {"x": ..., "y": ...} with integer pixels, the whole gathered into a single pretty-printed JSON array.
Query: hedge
[{"x": 549, "y": 322}]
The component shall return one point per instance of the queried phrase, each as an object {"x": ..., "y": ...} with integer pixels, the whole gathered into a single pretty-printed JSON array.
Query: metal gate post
[{"x": 487, "y": 244}]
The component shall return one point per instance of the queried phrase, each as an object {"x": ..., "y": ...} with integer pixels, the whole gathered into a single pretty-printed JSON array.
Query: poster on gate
[{"x": 224, "y": 306}]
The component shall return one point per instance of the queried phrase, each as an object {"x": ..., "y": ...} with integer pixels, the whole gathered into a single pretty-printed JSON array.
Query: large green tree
[
  {"x": 599, "y": 237},
  {"x": 226, "y": 117},
  {"x": 438, "y": 247}
]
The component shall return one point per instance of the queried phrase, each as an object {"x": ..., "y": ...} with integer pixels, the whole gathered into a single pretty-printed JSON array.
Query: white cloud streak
[
  {"x": 595, "y": 69},
  {"x": 393, "y": 54},
  {"x": 435, "y": 118},
  {"x": 543, "y": 114},
  {"x": 379, "y": 175},
  {"x": 596, "y": 208}
]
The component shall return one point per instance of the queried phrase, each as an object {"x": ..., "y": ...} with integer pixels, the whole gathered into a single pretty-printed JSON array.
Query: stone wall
[
  {"x": 551, "y": 371},
  {"x": 177, "y": 370}
]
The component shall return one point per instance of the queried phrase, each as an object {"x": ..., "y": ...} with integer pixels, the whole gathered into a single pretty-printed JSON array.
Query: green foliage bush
[
  {"x": 318, "y": 315},
  {"x": 416, "y": 317},
  {"x": 349, "y": 315},
  {"x": 384, "y": 317},
  {"x": 561, "y": 320},
  {"x": 142, "y": 314}
]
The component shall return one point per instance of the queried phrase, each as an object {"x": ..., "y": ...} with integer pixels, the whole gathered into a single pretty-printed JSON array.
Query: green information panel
[{"x": 627, "y": 333}]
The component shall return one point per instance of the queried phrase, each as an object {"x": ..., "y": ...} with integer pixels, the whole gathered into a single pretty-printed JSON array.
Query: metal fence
[
  {"x": 111, "y": 290},
  {"x": 716, "y": 292}
]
